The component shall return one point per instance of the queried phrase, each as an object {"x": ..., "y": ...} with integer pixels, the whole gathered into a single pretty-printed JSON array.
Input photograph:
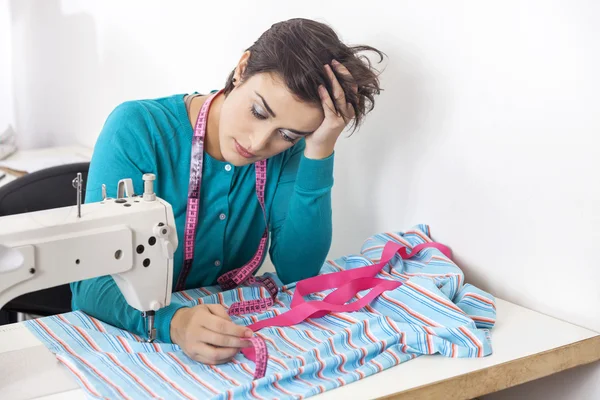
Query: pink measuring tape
[
  {"x": 346, "y": 284},
  {"x": 238, "y": 276}
]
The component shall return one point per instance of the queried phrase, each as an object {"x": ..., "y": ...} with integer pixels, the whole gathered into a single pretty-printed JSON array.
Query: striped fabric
[{"x": 434, "y": 311}]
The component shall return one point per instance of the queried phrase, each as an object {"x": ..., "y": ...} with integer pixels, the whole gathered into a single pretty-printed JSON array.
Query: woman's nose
[{"x": 259, "y": 141}]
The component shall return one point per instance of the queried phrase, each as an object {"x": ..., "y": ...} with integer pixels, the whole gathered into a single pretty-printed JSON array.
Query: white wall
[
  {"x": 487, "y": 129},
  {"x": 6, "y": 90}
]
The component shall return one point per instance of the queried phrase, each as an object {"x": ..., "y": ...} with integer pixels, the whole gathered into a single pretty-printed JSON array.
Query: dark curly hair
[{"x": 297, "y": 50}]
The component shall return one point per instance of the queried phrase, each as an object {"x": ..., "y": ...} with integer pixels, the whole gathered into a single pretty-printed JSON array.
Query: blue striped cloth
[{"x": 434, "y": 311}]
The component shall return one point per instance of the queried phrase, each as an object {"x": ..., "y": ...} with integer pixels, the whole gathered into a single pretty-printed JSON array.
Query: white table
[
  {"x": 56, "y": 153},
  {"x": 527, "y": 345}
]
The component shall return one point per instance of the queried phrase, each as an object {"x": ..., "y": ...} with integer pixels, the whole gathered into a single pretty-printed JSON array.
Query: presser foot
[{"x": 150, "y": 330}]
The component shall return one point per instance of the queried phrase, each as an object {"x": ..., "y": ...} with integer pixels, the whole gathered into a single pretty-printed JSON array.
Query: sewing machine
[{"x": 132, "y": 238}]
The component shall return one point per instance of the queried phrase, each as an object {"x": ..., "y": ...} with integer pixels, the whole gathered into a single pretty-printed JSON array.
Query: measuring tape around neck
[{"x": 238, "y": 276}]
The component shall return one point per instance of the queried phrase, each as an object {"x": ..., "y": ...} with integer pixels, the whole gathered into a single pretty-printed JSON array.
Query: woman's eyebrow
[
  {"x": 299, "y": 133},
  {"x": 265, "y": 104}
]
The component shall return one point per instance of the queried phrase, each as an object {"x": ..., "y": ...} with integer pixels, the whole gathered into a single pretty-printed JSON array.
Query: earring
[{"x": 234, "y": 80}]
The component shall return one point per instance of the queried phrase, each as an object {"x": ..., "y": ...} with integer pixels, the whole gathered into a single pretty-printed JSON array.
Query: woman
[{"x": 287, "y": 101}]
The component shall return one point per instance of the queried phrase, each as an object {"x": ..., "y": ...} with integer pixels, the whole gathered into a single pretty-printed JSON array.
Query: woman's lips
[{"x": 242, "y": 151}]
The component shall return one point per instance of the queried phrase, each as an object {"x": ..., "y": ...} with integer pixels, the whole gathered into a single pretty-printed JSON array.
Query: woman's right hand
[{"x": 206, "y": 333}]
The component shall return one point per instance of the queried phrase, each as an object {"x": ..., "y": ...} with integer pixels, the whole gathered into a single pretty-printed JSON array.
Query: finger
[
  {"x": 219, "y": 339},
  {"x": 328, "y": 107},
  {"x": 339, "y": 97},
  {"x": 208, "y": 354},
  {"x": 349, "y": 114},
  {"x": 342, "y": 70},
  {"x": 221, "y": 325},
  {"x": 218, "y": 310}
]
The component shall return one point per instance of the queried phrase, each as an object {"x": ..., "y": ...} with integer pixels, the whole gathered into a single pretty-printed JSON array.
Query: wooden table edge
[{"x": 508, "y": 374}]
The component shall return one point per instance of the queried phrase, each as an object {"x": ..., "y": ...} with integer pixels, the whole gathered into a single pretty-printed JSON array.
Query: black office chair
[{"x": 41, "y": 190}]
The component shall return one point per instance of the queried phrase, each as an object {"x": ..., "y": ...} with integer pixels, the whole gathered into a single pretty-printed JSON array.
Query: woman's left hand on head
[{"x": 321, "y": 143}]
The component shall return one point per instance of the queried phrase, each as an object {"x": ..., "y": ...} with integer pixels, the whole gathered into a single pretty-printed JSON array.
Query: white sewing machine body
[{"x": 132, "y": 238}]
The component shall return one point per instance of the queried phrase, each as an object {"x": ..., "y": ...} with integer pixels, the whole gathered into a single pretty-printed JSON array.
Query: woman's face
[{"x": 261, "y": 118}]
